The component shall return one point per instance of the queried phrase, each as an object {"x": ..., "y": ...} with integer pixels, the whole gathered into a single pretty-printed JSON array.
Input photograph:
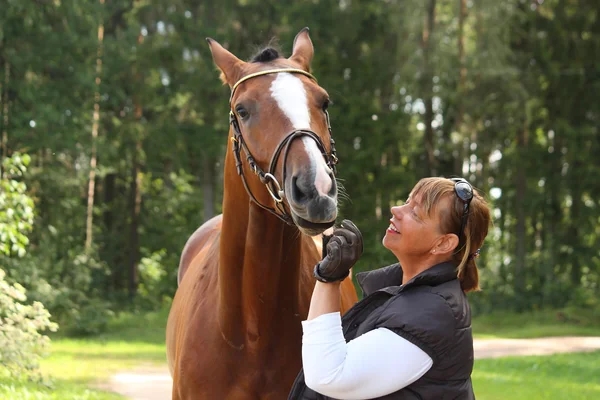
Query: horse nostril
[{"x": 298, "y": 195}]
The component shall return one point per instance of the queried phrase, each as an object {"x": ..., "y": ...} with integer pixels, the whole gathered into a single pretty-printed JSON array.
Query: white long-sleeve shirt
[{"x": 372, "y": 365}]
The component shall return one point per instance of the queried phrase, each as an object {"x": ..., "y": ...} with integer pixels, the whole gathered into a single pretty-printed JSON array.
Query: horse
[{"x": 246, "y": 276}]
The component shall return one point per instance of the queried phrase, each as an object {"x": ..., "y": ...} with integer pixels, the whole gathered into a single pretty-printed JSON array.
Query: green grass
[
  {"x": 543, "y": 323},
  {"x": 562, "y": 376},
  {"x": 76, "y": 366}
]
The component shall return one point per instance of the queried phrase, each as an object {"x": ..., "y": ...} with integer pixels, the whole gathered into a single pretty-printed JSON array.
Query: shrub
[
  {"x": 21, "y": 343},
  {"x": 16, "y": 208}
]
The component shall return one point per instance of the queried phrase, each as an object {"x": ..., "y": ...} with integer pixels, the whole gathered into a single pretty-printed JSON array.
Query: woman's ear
[
  {"x": 446, "y": 244},
  {"x": 230, "y": 66},
  {"x": 303, "y": 50}
]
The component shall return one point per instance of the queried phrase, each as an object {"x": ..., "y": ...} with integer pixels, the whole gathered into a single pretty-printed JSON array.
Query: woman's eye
[
  {"x": 414, "y": 213},
  {"x": 241, "y": 112}
]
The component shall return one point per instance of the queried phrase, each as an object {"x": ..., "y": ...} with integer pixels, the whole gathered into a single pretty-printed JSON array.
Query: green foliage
[
  {"x": 75, "y": 366},
  {"x": 152, "y": 273},
  {"x": 16, "y": 208},
  {"x": 55, "y": 271},
  {"x": 64, "y": 284},
  {"x": 21, "y": 343},
  {"x": 508, "y": 89}
]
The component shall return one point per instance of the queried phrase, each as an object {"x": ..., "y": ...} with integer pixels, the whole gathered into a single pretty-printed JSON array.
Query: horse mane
[{"x": 266, "y": 54}]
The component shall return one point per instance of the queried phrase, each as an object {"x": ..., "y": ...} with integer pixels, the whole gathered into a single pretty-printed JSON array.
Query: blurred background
[{"x": 113, "y": 126}]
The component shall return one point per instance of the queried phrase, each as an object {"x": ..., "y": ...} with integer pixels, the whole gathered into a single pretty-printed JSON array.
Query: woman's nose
[{"x": 397, "y": 211}]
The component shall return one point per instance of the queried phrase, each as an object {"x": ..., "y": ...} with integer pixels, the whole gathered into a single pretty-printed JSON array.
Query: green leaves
[
  {"x": 513, "y": 94},
  {"x": 21, "y": 343},
  {"x": 16, "y": 207}
]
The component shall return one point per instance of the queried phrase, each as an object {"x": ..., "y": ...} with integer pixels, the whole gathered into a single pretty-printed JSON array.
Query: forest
[{"x": 113, "y": 128}]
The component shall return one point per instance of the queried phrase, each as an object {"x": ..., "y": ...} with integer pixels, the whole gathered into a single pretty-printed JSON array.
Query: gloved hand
[{"x": 341, "y": 251}]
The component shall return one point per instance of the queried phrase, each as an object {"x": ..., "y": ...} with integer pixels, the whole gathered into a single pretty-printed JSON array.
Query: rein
[{"x": 273, "y": 186}]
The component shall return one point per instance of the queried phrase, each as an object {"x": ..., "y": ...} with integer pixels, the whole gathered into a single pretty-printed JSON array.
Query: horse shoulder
[{"x": 196, "y": 242}]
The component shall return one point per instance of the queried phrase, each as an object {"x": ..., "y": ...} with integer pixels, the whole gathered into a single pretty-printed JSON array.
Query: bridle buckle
[{"x": 268, "y": 177}]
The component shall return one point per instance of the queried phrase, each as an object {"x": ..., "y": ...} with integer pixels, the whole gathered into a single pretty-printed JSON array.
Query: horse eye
[
  {"x": 241, "y": 111},
  {"x": 325, "y": 105}
]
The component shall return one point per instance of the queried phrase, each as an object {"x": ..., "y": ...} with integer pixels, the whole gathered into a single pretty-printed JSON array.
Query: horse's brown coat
[{"x": 246, "y": 280}]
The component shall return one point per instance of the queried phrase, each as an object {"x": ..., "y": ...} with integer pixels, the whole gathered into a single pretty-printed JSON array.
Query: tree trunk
[
  {"x": 109, "y": 195},
  {"x": 462, "y": 71},
  {"x": 208, "y": 186},
  {"x": 5, "y": 110},
  {"x": 135, "y": 192},
  {"x": 430, "y": 166},
  {"x": 553, "y": 216},
  {"x": 460, "y": 88},
  {"x": 576, "y": 206},
  {"x": 520, "y": 228},
  {"x": 135, "y": 201},
  {"x": 95, "y": 123}
]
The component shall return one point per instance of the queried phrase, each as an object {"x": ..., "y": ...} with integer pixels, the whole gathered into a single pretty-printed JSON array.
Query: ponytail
[{"x": 475, "y": 232}]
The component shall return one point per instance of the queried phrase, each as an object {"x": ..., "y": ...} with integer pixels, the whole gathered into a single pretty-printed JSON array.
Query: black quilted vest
[{"x": 432, "y": 312}]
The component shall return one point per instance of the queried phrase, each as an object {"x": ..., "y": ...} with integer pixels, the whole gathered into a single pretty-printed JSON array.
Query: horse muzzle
[{"x": 313, "y": 212}]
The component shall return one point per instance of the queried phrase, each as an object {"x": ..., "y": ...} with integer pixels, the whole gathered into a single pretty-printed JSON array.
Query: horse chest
[
  {"x": 263, "y": 368},
  {"x": 220, "y": 373}
]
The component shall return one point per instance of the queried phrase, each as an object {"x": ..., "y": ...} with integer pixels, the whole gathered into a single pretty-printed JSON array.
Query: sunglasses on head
[{"x": 464, "y": 191}]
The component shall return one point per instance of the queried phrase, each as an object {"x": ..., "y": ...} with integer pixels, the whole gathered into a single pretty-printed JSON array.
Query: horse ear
[
  {"x": 303, "y": 50},
  {"x": 230, "y": 65}
]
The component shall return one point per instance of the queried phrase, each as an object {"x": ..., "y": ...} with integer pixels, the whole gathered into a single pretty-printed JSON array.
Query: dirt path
[{"x": 154, "y": 383}]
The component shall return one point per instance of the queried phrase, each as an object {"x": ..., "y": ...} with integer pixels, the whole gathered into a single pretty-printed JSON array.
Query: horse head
[{"x": 280, "y": 134}]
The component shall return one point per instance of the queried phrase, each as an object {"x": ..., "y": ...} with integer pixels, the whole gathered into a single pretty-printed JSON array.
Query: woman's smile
[{"x": 392, "y": 228}]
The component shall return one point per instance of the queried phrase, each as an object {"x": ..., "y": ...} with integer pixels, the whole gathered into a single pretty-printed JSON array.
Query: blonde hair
[{"x": 431, "y": 191}]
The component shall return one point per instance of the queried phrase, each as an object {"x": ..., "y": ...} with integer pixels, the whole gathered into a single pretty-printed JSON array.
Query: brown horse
[{"x": 245, "y": 277}]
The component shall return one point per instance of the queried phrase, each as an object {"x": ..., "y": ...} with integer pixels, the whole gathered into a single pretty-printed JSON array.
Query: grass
[
  {"x": 562, "y": 376},
  {"x": 543, "y": 323},
  {"x": 76, "y": 366}
]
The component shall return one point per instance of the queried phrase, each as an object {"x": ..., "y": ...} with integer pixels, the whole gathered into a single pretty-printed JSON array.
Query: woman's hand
[{"x": 341, "y": 251}]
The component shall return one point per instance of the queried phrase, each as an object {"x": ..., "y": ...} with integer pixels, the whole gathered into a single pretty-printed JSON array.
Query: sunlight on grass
[
  {"x": 562, "y": 376},
  {"x": 88, "y": 359},
  {"x": 76, "y": 365},
  {"x": 58, "y": 389}
]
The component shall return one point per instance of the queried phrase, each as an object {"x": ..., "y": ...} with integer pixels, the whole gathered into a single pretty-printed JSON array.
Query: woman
[{"x": 410, "y": 337}]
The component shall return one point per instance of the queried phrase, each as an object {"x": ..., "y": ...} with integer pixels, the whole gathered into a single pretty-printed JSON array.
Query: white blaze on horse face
[{"x": 290, "y": 95}]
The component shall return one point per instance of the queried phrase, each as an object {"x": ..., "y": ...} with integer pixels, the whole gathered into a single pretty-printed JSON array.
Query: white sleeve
[{"x": 373, "y": 365}]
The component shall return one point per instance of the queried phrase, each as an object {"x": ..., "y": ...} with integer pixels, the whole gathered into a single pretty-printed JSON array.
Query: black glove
[{"x": 341, "y": 251}]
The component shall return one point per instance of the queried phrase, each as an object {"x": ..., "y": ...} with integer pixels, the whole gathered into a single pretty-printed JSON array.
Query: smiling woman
[{"x": 410, "y": 337}]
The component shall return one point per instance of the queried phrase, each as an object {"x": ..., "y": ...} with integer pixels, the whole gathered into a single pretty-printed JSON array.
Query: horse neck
[{"x": 259, "y": 267}]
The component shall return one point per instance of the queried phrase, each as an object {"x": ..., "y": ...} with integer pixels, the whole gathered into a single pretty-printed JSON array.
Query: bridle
[{"x": 268, "y": 178}]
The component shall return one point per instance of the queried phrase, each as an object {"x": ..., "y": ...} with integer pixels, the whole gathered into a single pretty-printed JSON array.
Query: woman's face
[{"x": 411, "y": 232}]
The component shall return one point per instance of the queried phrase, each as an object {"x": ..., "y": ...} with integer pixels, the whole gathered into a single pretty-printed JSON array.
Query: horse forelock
[{"x": 265, "y": 55}]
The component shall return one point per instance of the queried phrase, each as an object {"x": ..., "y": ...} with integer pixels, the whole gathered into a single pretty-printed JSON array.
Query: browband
[{"x": 270, "y": 71}]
